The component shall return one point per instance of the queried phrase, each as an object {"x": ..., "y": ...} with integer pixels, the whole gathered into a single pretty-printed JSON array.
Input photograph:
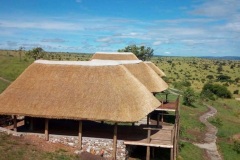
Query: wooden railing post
[
  {"x": 46, "y": 130},
  {"x": 80, "y": 135},
  {"x": 15, "y": 123},
  {"x": 114, "y": 154},
  {"x": 148, "y": 147}
]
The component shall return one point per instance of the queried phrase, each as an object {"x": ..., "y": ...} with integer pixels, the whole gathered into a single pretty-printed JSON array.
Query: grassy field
[
  {"x": 196, "y": 70},
  {"x": 177, "y": 69}
]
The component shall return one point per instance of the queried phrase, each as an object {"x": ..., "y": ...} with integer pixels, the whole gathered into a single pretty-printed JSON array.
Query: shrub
[
  {"x": 223, "y": 78},
  {"x": 210, "y": 76},
  {"x": 189, "y": 97},
  {"x": 236, "y": 92},
  {"x": 236, "y": 146},
  {"x": 220, "y": 91}
]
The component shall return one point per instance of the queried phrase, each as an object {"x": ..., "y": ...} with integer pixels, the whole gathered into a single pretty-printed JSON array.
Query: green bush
[
  {"x": 236, "y": 146},
  {"x": 189, "y": 97},
  {"x": 218, "y": 90},
  {"x": 236, "y": 92}
]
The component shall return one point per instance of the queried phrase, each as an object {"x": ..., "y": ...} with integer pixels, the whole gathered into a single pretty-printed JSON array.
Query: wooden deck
[
  {"x": 159, "y": 137},
  {"x": 169, "y": 107}
]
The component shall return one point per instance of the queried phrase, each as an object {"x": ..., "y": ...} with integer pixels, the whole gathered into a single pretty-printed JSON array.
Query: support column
[
  {"x": 158, "y": 119},
  {"x": 46, "y": 130},
  {"x": 148, "y": 147},
  {"x": 114, "y": 154},
  {"x": 148, "y": 119},
  {"x": 31, "y": 124},
  {"x": 80, "y": 135},
  {"x": 15, "y": 123}
]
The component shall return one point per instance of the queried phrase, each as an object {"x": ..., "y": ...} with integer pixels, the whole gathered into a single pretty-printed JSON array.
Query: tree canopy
[
  {"x": 142, "y": 52},
  {"x": 36, "y": 53}
]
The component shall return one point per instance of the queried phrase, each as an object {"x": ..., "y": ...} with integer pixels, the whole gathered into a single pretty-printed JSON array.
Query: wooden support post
[
  {"x": 46, "y": 130},
  {"x": 133, "y": 124},
  {"x": 114, "y": 154},
  {"x": 80, "y": 135},
  {"x": 158, "y": 119},
  {"x": 148, "y": 147},
  {"x": 15, "y": 123},
  {"x": 153, "y": 152},
  {"x": 171, "y": 158},
  {"x": 162, "y": 117},
  {"x": 31, "y": 124},
  {"x": 148, "y": 120}
]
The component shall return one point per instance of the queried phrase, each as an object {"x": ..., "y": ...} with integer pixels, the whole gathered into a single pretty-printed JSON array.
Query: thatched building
[{"x": 93, "y": 90}]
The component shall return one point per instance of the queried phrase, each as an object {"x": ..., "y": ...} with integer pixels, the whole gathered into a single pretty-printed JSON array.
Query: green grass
[
  {"x": 229, "y": 114},
  {"x": 190, "y": 152},
  {"x": 12, "y": 67},
  {"x": 3, "y": 85}
]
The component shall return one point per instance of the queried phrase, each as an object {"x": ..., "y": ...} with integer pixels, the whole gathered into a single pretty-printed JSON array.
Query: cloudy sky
[{"x": 170, "y": 27}]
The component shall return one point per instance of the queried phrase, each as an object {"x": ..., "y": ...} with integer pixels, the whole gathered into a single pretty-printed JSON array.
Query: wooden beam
[
  {"x": 80, "y": 135},
  {"x": 46, "y": 130},
  {"x": 114, "y": 154},
  {"x": 15, "y": 123}
]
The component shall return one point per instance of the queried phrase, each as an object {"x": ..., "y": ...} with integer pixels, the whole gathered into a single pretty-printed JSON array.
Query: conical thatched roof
[
  {"x": 78, "y": 90},
  {"x": 155, "y": 68},
  {"x": 144, "y": 74},
  {"x": 114, "y": 56}
]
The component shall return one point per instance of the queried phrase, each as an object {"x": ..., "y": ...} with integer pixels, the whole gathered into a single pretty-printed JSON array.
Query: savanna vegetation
[{"x": 200, "y": 81}]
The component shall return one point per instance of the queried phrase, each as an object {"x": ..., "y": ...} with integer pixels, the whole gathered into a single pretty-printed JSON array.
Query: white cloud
[
  {"x": 156, "y": 43},
  {"x": 47, "y": 25},
  {"x": 55, "y": 40},
  {"x": 217, "y": 8},
  {"x": 167, "y": 53}
]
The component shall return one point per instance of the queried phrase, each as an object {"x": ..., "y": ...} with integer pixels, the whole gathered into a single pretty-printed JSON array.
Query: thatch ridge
[
  {"x": 103, "y": 93},
  {"x": 145, "y": 74},
  {"x": 155, "y": 68},
  {"x": 114, "y": 56}
]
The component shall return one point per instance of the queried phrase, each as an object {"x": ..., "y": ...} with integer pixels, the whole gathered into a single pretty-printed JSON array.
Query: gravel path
[{"x": 210, "y": 137}]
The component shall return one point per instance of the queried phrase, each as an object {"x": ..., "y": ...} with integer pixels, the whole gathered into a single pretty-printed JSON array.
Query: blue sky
[{"x": 170, "y": 27}]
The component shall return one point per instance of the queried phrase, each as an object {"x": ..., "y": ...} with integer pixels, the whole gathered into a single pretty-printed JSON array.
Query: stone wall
[
  {"x": 93, "y": 145},
  {"x": 89, "y": 144}
]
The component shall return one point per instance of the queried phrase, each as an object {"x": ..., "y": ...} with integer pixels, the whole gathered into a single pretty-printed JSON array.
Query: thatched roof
[
  {"x": 78, "y": 90},
  {"x": 144, "y": 74},
  {"x": 114, "y": 56},
  {"x": 155, "y": 68}
]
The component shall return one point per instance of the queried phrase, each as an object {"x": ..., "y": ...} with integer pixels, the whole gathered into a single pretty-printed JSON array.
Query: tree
[
  {"x": 36, "y": 53},
  {"x": 189, "y": 96},
  {"x": 142, "y": 52}
]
